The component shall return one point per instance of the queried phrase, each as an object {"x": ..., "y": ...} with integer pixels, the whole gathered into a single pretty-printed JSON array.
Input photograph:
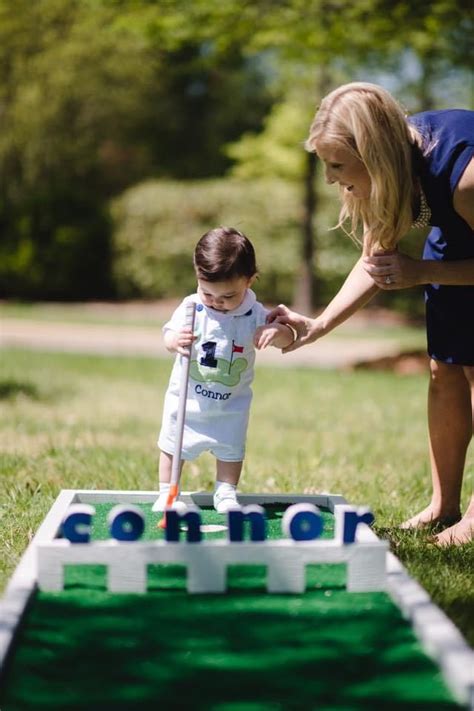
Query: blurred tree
[
  {"x": 88, "y": 105},
  {"x": 428, "y": 48},
  {"x": 95, "y": 94},
  {"x": 335, "y": 37},
  {"x": 67, "y": 97},
  {"x": 278, "y": 151}
]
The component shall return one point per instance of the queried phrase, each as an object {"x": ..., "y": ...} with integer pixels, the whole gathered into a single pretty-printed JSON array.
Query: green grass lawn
[
  {"x": 76, "y": 421},
  {"x": 153, "y": 314}
]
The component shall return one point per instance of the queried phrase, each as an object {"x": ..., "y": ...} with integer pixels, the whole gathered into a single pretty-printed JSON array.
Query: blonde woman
[{"x": 395, "y": 172}]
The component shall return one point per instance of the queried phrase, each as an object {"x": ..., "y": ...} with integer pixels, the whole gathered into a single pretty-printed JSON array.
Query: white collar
[{"x": 246, "y": 305}]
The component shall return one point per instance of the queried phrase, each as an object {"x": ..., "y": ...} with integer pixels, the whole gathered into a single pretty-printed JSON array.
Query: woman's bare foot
[
  {"x": 457, "y": 535},
  {"x": 430, "y": 518}
]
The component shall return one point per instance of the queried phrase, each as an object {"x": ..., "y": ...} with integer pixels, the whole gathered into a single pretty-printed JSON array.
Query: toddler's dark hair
[{"x": 224, "y": 253}]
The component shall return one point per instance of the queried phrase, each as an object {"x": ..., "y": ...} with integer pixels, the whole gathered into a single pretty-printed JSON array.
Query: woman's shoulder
[
  {"x": 444, "y": 126},
  {"x": 443, "y": 117},
  {"x": 448, "y": 141}
]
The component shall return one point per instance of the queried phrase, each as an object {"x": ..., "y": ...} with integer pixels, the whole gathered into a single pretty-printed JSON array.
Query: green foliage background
[
  {"x": 157, "y": 224},
  {"x": 98, "y": 97},
  {"x": 93, "y": 98}
]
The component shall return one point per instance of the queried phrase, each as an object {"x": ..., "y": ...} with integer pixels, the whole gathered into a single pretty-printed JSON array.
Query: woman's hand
[
  {"x": 305, "y": 327},
  {"x": 393, "y": 270}
]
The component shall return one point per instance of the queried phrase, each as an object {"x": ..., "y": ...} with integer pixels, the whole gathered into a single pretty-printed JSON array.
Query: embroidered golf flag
[{"x": 235, "y": 349}]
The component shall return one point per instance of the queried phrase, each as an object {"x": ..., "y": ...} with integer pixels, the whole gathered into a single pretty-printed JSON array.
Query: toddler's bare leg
[
  {"x": 164, "y": 467},
  {"x": 228, "y": 472}
]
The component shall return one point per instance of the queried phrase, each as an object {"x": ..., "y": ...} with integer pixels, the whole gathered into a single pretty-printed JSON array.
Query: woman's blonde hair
[{"x": 366, "y": 120}]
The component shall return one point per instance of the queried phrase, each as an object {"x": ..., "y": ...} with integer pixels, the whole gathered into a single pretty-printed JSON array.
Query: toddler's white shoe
[
  {"x": 160, "y": 504},
  {"x": 225, "y": 498}
]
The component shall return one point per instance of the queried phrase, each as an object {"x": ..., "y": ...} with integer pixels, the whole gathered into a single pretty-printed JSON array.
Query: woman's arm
[
  {"x": 401, "y": 271},
  {"x": 463, "y": 197},
  {"x": 356, "y": 291},
  {"x": 398, "y": 271}
]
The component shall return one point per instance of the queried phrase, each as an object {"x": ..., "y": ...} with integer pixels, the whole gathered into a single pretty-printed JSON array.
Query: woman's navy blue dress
[{"x": 448, "y": 148}]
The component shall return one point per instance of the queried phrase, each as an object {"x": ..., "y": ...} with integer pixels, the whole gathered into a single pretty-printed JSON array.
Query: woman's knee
[
  {"x": 469, "y": 374},
  {"x": 445, "y": 374}
]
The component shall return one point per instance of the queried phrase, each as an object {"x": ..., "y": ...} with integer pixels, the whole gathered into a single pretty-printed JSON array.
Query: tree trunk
[
  {"x": 305, "y": 289},
  {"x": 426, "y": 100}
]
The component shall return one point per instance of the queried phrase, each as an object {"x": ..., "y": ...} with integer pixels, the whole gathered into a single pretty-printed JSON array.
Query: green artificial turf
[{"x": 246, "y": 650}]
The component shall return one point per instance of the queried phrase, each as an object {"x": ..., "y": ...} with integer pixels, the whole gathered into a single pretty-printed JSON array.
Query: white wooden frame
[{"x": 439, "y": 637}]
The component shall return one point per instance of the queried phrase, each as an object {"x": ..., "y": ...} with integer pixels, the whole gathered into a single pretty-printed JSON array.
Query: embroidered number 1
[{"x": 209, "y": 348}]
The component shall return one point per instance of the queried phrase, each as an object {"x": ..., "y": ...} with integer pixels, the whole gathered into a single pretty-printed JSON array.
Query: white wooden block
[
  {"x": 457, "y": 665},
  {"x": 286, "y": 576},
  {"x": 407, "y": 593},
  {"x": 128, "y": 572},
  {"x": 207, "y": 572},
  {"x": 207, "y": 562},
  {"x": 366, "y": 569},
  {"x": 431, "y": 625},
  {"x": 51, "y": 565}
]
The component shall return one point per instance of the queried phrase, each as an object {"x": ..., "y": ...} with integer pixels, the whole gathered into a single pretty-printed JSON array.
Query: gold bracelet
[{"x": 294, "y": 332}]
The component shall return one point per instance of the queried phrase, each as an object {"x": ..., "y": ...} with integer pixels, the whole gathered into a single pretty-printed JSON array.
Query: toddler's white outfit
[{"x": 220, "y": 377}]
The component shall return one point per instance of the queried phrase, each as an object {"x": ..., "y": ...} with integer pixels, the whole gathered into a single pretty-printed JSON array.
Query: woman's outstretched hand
[{"x": 304, "y": 326}]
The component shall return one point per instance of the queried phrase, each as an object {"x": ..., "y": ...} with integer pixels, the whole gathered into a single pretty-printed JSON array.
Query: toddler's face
[{"x": 223, "y": 295}]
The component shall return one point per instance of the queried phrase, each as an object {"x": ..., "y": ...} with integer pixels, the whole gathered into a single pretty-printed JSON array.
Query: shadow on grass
[
  {"x": 48, "y": 392},
  {"x": 9, "y": 389}
]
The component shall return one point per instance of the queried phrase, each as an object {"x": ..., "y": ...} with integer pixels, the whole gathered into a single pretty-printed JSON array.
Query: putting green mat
[{"x": 87, "y": 649}]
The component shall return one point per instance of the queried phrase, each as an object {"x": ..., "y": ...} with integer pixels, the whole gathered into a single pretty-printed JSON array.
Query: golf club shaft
[{"x": 183, "y": 393}]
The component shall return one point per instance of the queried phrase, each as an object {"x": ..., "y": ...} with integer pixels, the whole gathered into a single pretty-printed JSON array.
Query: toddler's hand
[
  {"x": 265, "y": 336},
  {"x": 184, "y": 341}
]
